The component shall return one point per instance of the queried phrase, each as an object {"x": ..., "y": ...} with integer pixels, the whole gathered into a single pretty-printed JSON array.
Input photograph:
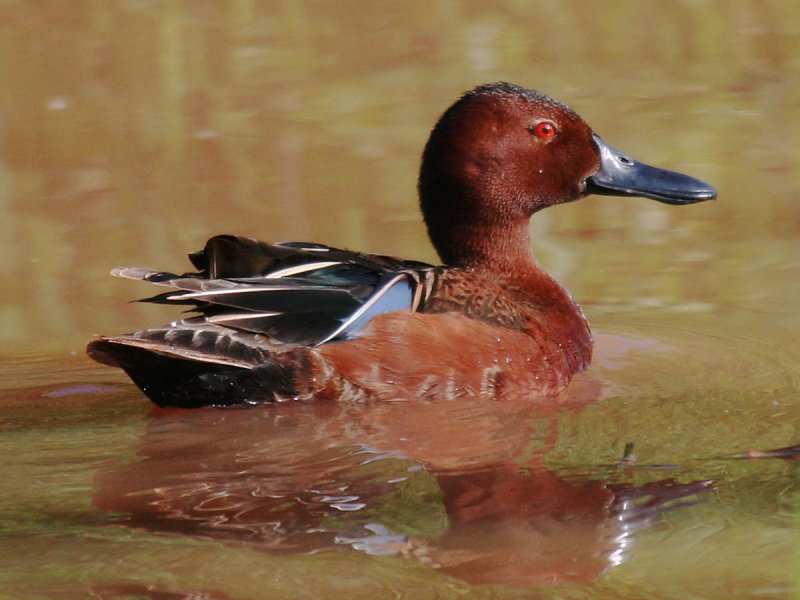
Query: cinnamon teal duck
[{"x": 276, "y": 322}]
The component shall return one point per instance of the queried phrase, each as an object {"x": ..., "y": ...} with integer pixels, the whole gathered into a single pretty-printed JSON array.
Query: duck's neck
[
  {"x": 503, "y": 256},
  {"x": 503, "y": 248}
]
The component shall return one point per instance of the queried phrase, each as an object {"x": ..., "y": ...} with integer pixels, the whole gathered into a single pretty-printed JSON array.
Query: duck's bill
[{"x": 620, "y": 175}]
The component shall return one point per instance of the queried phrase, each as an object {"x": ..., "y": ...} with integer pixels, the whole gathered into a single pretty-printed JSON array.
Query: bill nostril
[{"x": 625, "y": 160}]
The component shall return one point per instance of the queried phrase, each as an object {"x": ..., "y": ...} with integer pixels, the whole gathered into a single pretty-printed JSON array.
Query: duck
[{"x": 299, "y": 321}]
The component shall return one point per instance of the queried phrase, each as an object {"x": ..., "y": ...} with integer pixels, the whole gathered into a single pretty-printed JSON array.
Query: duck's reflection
[{"x": 460, "y": 486}]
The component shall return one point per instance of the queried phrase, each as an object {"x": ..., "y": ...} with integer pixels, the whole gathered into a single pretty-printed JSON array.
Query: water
[{"x": 134, "y": 130}]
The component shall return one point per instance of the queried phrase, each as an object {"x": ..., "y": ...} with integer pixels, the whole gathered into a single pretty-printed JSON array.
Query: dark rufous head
[{"x": 502, "y": 152}]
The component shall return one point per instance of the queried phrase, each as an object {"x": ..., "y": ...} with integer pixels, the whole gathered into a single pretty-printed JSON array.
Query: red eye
[{"x": 545, "y": 130}]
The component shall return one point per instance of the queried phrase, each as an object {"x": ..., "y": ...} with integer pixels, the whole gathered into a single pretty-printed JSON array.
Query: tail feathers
[
  {"x": 197, "y": 339},
  {"x": 190, "y": 365}
]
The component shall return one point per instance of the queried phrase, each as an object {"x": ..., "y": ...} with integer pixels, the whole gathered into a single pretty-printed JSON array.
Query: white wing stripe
[
  {"x": 296, "y": 270},
  {"x": 248, "y": 289},
  {"x": 240, "y": 316}
]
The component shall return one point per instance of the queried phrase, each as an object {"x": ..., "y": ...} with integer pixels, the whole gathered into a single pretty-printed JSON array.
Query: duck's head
[{"x": 502, "y": 152}]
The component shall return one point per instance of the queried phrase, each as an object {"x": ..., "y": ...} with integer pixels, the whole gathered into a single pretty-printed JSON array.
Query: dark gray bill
[{"x": 620, "y": 175}]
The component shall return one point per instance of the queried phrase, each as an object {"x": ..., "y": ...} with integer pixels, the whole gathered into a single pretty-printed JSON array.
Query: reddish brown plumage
[
  {"x": 484, "y": 174},
  {"x": 501, "y": 324},
  {"x": 493, "y": 337}
]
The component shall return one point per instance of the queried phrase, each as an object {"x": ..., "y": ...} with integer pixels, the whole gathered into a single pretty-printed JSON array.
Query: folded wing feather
[{"x": 293, "y": 293}]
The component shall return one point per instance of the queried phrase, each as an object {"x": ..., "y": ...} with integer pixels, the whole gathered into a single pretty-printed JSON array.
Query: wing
[{"x": 292, "y": 292}]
